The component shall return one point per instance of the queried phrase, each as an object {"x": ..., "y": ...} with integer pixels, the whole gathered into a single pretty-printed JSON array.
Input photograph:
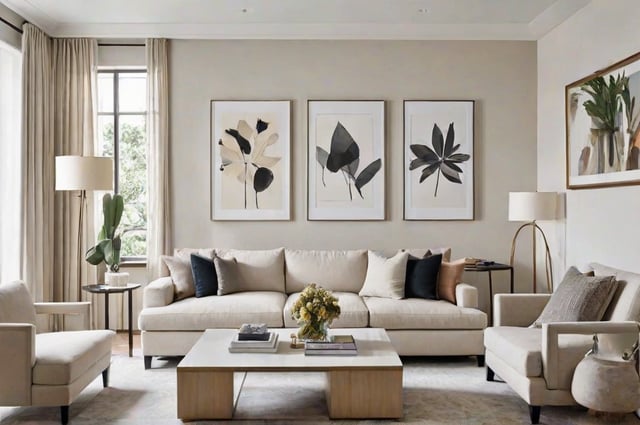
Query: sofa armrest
[
  {"x": 552, "y": 331},
  {"x": 158, "y": 293},
  {"x": 466, "y": 295},
  {"x": 17, "y": 357},
  {"x": 518, "y": 309},
  {"x": 81, "y": 309}
]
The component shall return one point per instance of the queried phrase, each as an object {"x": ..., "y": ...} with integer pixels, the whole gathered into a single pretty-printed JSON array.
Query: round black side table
[
  {"x": 488, "y": 269},
  {"x": 107, "y": 290}
]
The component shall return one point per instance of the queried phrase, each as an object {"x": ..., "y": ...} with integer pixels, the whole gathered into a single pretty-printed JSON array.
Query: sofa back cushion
[
  {"x": 185, "y": 254},
  {"x": 343, "y": 271},
  {"x": 257, "y": 270},
  {"x": 16, "y": 305},
  {"x": 625, "y": 304}
]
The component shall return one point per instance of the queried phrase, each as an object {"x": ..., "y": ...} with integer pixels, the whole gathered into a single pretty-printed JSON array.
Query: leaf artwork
[
  {"x": 344, "y": 157},
  {"x": 243, "y": 156},
  {"x": 442, "y": 158}
]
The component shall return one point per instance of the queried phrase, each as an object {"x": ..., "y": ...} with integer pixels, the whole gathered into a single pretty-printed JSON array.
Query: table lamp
[
  {"x": 83, "y": 173},
  {"x": 529, "y": 207}
]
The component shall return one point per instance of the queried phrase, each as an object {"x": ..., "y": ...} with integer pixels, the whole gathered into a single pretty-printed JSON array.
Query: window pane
[
  {"x": 132, "y": 93},
  {"x": 105, "y": 135},
  {"x": 105, "y": 92},
  {"x": 132, "y": 184}
]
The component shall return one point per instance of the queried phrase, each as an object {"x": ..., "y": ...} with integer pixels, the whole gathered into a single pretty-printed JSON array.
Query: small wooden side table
[
  {"x": 107, "y": 290},
  {"x": 488, "y": 269}
]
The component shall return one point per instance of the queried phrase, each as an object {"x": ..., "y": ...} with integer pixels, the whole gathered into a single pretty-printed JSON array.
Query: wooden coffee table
[{"x": 368, "y": 385}]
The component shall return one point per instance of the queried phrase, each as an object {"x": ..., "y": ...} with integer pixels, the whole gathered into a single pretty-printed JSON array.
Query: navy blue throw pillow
[
  {"x": 204, "y": 276},
  {"x": 422, "y": 277}
]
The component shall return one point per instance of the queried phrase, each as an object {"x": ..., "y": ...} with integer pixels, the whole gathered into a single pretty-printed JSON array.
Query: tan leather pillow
[
  {"x": 181, "y": 275},
  {"x": 448, "y": 278}
]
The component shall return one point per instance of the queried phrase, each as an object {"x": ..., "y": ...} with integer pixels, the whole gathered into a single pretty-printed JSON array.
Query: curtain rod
[
  {"x": 121, "y": 44},
  {"x": 9, "y": 24}
]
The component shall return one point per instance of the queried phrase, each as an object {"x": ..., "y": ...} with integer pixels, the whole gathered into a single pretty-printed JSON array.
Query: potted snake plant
[{"x": 107, "y": 249}]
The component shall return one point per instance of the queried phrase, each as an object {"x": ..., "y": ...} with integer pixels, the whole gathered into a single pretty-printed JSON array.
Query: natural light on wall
[{"x": 10, "y": 161}]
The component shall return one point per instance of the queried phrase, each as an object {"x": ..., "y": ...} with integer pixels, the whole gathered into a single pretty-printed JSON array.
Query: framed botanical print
[
  {"x": 250, "y": 151},
  {"x": 438, "y": 160},
  {"x": 345, "y": 161}
]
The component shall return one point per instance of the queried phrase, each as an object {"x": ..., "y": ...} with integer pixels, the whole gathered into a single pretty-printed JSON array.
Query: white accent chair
[
  {"x": 538, "y": 363},
  {"x": 47, "y": 369}
]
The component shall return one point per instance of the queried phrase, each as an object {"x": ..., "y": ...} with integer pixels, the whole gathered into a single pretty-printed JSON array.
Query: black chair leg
[
  {"x": 147, "y": 362},
  {"x": 490, "y": 374},
  {"x": 64, "y": 415},
  {"x": 105, "y": 378},
  {"x": 480, "y": 358},
  {"x": 534, "y": 414}
]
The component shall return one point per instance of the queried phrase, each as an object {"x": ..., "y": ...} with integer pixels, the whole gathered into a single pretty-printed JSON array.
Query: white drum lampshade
[
  {"x": 530, "y": 206},
  {"x": 84, "y": 173}
]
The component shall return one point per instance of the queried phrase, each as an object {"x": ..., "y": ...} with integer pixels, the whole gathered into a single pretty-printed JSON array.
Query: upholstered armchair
[
  {"x": 47, "y": 369},
  {"x": 538, "y": 363}
]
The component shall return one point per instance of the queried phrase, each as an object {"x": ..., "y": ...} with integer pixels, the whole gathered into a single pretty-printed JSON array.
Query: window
[
  {"x": 122, "y": 112},
  {"x": 10, "y": 162}
]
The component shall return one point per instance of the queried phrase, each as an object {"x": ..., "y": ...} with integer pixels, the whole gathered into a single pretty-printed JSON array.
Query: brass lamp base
[{"x": 548, "y": 270}]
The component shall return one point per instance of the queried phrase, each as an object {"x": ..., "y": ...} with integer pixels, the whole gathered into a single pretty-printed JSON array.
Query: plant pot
[
  {"x": 313, "y": 331},
  {"x": 116, "y": 279}
]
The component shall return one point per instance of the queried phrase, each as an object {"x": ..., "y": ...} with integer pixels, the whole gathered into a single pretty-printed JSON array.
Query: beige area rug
[{"x": 436, "y": 391}]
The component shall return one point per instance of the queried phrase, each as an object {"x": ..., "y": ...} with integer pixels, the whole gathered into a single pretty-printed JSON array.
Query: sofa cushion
[
  {"x": 578, "y": 298},
  {"x": 258, "y": 270},
  {"x": 186, "y": 254},
  {"x": 416, "y": 313},
  {"x": 229, "y": 311},
  {"x": 625, "y": 304},
  {"x": 521, "y": 348},
  {"x": 421, "y": 252},
  {"x": 204, "y": 276},
  {"x": 16, "y": 305},
  {"x": 62, "y": 357},
  {"x": 227, "y": 275},
  {"x": 385, "y": 276},
  {"x": 333, "y": 270},
  {"x": 449, "y": 276},
  {"x": 353, "y": 311},
  {"x": 181, "y": 275},
  {"x": 422, "y": 277}
]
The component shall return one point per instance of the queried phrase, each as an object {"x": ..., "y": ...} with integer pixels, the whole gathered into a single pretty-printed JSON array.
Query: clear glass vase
[{"x": 313, "y": 331}]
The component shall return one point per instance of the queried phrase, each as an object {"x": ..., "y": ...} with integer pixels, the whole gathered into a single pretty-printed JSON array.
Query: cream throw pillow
[
  {"x": 181, "y": 275},
  {"x": 385, "y": 276}
]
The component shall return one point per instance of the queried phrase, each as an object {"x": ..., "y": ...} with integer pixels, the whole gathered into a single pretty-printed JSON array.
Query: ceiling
[{"x": 299, "y": 19}]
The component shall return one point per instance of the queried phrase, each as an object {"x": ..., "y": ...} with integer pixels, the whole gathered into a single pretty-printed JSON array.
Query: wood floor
[{"x": 121, "y": 344}]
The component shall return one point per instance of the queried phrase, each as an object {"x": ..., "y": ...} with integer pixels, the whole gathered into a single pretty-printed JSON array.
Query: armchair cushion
[
  {"x": 62, "y": 357},
  {"x": 16, "y": 305},
  {"x": 578, "y": 298}
]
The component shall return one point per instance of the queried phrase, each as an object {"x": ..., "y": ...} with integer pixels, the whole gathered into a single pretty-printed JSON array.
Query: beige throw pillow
[
  {"x": 227, "y": 272},
  {"x": 578, "y": 298},
  {"x": 385, "y": 276},
  {"x": 181, "y": 275},
  {"x": 448, "y": 278}
]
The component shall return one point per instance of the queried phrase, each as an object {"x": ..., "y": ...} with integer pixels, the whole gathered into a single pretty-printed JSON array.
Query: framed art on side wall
[
  {"x": 250, "y": 151},
  {"x": 603, "y": 127},
  {"x": 345, "y": 160},
  {"x": 438, "y": 160}
]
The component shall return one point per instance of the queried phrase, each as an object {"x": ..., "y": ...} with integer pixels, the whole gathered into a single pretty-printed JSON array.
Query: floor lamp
[
  {"x": 529, "y": 207},
  {"x": 83, "y": 173}
]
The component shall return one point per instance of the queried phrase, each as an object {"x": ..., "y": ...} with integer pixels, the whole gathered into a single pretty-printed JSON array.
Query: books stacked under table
[
  {"x": 254, "y": 338},
  {"x": 338, "y": 345}
]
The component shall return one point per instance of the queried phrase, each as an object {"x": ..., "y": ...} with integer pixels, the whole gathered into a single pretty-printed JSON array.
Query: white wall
[
  {"x": 499, "y": 76},
  {"x": 601, "y": 224}
]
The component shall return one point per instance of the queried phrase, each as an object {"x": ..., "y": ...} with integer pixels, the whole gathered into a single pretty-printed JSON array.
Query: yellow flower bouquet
[{"x": 314, "y": 310}]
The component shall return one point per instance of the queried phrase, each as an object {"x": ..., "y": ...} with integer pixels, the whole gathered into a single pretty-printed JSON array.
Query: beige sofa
[
  {"x": 538, "y": 363},
  {"x": 273, "y": 279}
]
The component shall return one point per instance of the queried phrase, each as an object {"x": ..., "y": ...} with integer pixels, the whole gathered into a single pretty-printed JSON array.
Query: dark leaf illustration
[
  {"x": 344, "y": 150},
  {"x": 262, "y": 179},
  {"x": 442, "y": 158},
  {"x": 243, "y": 143},
  {"x": 367, "y": 174},
  {"x": 261, "y": 126},
  {"x": 352, "y": 169},
  {"x": 322, "y": 156}
]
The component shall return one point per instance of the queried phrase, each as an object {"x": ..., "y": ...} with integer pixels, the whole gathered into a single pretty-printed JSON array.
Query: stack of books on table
[
  {"x": 254, "y": 338},
  {"x": 338, "y": 345}
]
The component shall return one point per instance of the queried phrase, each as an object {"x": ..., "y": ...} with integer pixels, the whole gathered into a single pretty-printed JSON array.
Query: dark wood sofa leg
[
  {"x": 147, "y": 362},
  {"x": 480, "y": 358},
  {"x": 534, "y": 413},
  {"x": 64, "y": 415},
  {"x": 105, "y": 378},
  {"x": 490, "y": 374}
]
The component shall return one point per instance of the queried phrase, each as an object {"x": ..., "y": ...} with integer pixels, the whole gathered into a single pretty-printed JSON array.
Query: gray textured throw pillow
[
  {"x": 578, "y": 298},
  {"x": 227, "y": 272}
]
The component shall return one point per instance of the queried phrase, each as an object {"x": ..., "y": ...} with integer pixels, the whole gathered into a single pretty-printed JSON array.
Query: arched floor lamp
[{"x": 529, "y": 207}]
